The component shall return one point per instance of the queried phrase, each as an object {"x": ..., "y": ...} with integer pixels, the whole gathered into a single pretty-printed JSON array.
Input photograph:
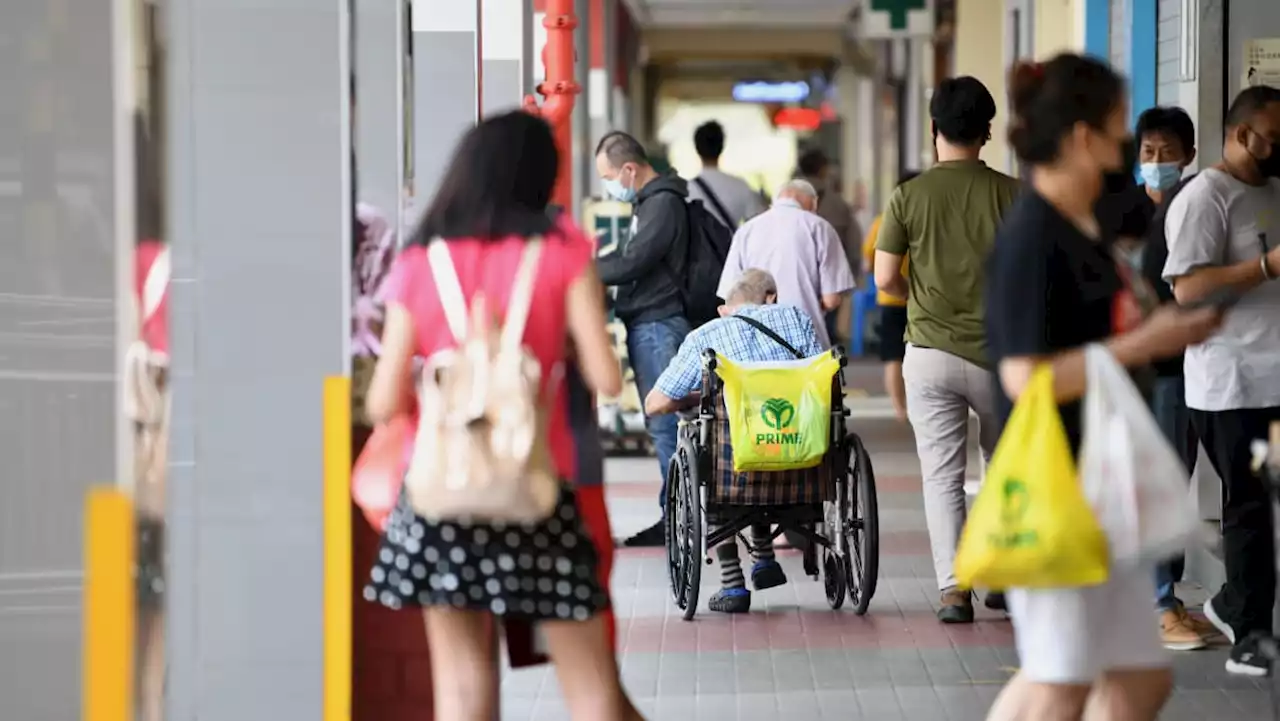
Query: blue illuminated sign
[{"x": 766, "y": 92}]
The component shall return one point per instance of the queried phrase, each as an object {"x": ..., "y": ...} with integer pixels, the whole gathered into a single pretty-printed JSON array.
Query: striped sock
[
  {"x": 730, "y": 565},
  {"x": 762, "y": 541}
]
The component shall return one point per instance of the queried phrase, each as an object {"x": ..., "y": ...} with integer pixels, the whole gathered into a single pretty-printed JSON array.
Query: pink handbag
[{"x": 378, "y": 474}]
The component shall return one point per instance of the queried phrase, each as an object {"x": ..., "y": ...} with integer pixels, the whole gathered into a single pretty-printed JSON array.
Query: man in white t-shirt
[
  {"x": 1223, "y": 233},
  {"x": 799, "y": 249},
  {"x": 727, "y": 197}
]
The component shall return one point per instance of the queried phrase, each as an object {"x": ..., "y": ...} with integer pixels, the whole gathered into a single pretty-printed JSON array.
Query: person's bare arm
[
  {"x": 1198, "y": 232},
  {"x": 1241, "y": 277},
  {"x": 892, "y": 245},
  {"x": 391, "y": 388},
  {"x": 1166, "y": 333},
  {"x": 889, "y": 278},
  {"x": 657, "y": 404},
  {"x": 590, "y": 336},
  {"x": 832, "y": 301}
]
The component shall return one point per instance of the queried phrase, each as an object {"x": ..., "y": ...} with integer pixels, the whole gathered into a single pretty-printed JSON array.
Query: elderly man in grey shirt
[
  {"x": 800, "y": 250},
  {"x": 1223, "y": 233}
]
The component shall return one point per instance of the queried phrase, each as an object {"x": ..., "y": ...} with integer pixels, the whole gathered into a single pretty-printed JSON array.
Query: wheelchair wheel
[
  {"x": 861, "y": 515},
  {"x": 834, "y": 577},
  {"x": 684, "y": 533}
]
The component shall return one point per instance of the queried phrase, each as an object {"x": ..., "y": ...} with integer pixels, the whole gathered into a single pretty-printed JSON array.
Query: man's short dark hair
[
  {"x": 812, "y": 162},
  {"x": 962, "y": 110},
  {"x": 1170, "y": 122},
  {"x": 709, "y": 140},
  {"x": 621, "y": 148},
  {"x": 1249, "y": 103}
]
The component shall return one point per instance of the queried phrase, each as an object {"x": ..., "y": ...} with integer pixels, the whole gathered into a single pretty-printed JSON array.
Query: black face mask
[
  {"x": 1115, "y": 181},
  {"x": 1270, "y": 166}
]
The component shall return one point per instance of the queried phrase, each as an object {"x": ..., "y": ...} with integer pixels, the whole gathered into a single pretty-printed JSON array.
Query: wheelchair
[{"x": 838, "y": 516}]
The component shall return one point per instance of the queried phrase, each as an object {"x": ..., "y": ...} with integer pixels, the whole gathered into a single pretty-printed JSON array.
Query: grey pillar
[
  {"x": 913, "y": 113},
  {"x": 260, "y": 189},
  {"x": 446, "y": 93},
  {"x": 59, "y": 308},
  {"x": 599, "y": 95},
  {"x": 379, "y": 71},
  {"x": 507, "y": 32},
  {"x": 584, "y": 166}
]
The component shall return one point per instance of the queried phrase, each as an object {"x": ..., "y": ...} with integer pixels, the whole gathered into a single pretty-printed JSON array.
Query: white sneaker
[{"x": 1212, "y": 615}]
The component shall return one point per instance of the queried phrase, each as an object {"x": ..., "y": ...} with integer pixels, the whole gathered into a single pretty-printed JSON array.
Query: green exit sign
[{"x": 898, "y": 10}]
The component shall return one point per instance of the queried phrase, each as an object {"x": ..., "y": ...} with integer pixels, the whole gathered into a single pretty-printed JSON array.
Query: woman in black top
[{"x": 1053, "y": 287}]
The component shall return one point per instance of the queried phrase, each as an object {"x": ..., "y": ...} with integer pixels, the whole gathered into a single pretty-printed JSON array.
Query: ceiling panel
[{"x": 759, "y": 13}]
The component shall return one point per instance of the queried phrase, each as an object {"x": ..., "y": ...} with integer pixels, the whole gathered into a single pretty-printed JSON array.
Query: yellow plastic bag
[
  {"x": 1031, "y": 526},
  {"x": 779, "y": 413}
]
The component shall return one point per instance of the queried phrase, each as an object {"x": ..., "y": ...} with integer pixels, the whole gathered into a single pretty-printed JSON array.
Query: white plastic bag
[{"x": 1132, "y": 476}]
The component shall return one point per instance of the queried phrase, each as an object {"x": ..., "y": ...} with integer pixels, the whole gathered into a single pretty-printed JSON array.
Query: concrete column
[
  {"x": 1207, "y": 72},
  {"x": 446, "y": 90},
  {"x": 855, "y": 141},
  {"x": 506, "y": 52},
  {"x": 259, "y": 187},
  {"x": 980, "y": 43},
  {"x": 609, "y": 45},
  {"x": 584, "y": 165},
  {"x": 599, "y": 85},
  {"x": 379, "y": 139},
  {"x": 914, "y": 120}
]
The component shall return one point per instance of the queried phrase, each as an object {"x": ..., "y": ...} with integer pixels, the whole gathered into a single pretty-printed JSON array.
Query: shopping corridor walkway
[{"x": 793, "y": 658}]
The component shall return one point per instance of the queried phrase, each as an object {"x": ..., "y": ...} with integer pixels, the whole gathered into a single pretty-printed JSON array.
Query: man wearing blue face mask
[
  {"x": 649, "y": 303},
  {"x": 1167, "y": 145},
  {"x": 1167, "y": 140}
]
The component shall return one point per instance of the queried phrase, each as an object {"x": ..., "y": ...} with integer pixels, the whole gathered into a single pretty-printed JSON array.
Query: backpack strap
[
  {"x": 715, "y": 201},
  {"x": 521, "y": 295},
  {"x": 156, "y": 284},
  {"x": 449, "y": 288}
]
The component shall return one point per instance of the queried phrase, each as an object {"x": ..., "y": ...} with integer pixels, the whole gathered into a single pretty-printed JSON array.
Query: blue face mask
[
  {"x": 616, "y": 190},
  {"x": 1160, "y": 176}
]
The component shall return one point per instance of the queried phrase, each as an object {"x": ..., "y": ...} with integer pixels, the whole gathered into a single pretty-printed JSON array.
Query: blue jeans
[
  {"x": 1169, "y": 405},
  {"x": 651, "y": 345}
]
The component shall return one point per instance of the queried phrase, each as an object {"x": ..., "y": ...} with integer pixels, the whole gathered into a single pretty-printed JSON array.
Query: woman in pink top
[{"x": 462, "y": 575}]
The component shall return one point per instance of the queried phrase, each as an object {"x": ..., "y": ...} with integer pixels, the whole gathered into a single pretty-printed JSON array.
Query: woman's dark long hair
[{"x": 498, "y": 184}]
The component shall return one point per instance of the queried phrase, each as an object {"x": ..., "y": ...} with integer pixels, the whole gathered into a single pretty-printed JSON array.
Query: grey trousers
[{"x": 941, "y": 390}]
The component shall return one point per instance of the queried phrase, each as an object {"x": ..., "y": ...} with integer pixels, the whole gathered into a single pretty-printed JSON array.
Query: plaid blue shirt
[{"x": 739, "y": 341}]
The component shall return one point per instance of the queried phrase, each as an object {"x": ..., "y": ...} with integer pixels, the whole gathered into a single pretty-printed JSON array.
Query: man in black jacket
[
  {"x": 648, "y": 274},
  {"x": 1167, "y": 145}
]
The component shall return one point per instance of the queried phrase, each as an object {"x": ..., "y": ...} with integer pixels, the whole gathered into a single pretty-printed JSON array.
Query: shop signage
[
  {"x": 897, "y": 18},
  {"x": 767, "y": 92}
]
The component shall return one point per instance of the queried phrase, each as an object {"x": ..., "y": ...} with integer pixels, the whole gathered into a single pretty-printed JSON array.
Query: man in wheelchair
[{"x": 752, "y": 328}]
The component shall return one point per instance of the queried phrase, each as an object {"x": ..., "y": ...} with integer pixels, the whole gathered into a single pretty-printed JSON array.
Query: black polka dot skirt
[{"x": 536, "y": 571}]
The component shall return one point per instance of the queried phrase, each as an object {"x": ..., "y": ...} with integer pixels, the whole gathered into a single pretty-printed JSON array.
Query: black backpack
[
  {"x": 704, "y": 259},
  {"x": 709, "y": 241}
]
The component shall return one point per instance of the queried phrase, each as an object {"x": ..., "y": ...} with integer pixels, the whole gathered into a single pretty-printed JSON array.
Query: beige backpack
[{"x": 481, "y": 450}]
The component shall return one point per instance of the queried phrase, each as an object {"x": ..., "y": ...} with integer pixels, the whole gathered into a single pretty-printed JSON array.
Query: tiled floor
[{"x": 793, "y": 658}]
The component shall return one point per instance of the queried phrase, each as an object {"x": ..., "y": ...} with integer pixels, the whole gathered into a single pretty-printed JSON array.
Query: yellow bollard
[
  {"x": 108, "y": 633},
  {"x": 337, "y": 549}
]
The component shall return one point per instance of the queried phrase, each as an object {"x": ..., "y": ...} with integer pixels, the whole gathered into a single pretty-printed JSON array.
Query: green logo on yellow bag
[
  {"x": 1014, "y": 493},
  {"x": 1015, "y": 501},
  {"x": 777, "y": 413}
]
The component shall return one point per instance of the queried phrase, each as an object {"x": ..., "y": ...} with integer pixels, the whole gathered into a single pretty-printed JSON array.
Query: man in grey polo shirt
[{"x": 1223, "y": 233}]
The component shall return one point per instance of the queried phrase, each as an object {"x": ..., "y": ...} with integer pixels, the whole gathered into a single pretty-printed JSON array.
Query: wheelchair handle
[{"x": 840, "y": 355}]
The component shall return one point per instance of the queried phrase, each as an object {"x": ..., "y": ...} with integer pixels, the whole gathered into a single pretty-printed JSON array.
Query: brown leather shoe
[{"x": 957, "y": 606}]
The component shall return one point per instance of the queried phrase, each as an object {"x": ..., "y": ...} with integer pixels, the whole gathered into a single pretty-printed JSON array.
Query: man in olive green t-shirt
[{"x": 945, "y": 220}]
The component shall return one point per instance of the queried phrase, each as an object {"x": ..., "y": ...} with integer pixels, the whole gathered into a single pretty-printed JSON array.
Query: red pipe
[{"x": 559, "y": 91}]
